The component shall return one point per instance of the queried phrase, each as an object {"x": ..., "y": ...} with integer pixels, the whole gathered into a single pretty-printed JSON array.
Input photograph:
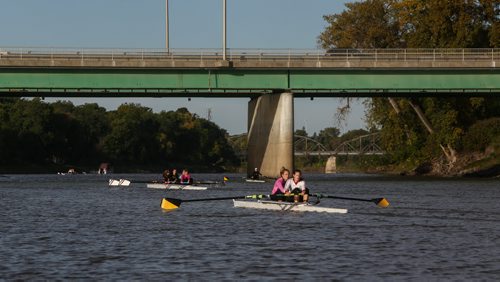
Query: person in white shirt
[{"x": 297, "y": 186}]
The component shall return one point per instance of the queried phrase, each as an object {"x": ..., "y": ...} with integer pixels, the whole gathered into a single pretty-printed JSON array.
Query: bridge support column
[
  {"x": 331, "y": 165},
  {"x": 270, "y": 133}
]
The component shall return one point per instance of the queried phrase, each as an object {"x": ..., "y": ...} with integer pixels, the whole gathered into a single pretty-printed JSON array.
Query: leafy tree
[
  {"x": 418, "y": 129},
  {"x": 328, "y": 137},
  {"x": 95, "y": 123},
  {"x": 352, "y": 134},
  {"x": 133, "y": 135},
  {"x": 301, "y": 132},
  {"x": 30, "y": 120},
  {"x": 367, "y": 24},
  {"x": 215, "y": 148},
  {"x": 32, "y": 131},
  {"x": 445, "y": 24}
]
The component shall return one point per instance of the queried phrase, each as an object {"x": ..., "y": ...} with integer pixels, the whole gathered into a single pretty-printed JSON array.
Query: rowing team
[
  {"x": 285, "y": 187},
  {"x": 171, "y": 176}
]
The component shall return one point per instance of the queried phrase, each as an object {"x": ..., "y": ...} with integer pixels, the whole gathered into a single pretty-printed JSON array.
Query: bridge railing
[{"x": 241, "y": 55}]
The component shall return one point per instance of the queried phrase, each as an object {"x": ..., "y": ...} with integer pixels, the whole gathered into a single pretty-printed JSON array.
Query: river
[{"x": 75, "y": 227}]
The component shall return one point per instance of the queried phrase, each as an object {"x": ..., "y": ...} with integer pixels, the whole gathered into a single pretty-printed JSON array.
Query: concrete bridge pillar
[
  {"x": 331, "y": 165},
  {"x": 270, "y": 133}
]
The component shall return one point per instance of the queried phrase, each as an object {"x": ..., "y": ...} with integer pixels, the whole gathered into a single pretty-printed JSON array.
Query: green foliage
[
  {"x": 329, "y": 137},
  {"x": 132, "y": 136},
  {"x": 367, "y": 24},
  {"x": 445, "y": 24},
  {"x": 420, "y": 24},
  {"x": 414, "y": 24},
  {"x": 34, "y": 132},
  {"x": 482, "y": 134}
]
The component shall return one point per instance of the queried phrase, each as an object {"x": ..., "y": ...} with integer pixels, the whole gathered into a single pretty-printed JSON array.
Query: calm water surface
[{"x": 75, "y": 227}]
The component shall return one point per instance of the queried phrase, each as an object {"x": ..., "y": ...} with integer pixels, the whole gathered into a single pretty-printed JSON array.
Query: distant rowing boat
[
  {"x": 255, "y": 180},
  {"x": 284, "y": 206},
  {"x": 118, "y": 182},
  {"x": 175, "y": 186},
  {"x": 158, "y": 184}
]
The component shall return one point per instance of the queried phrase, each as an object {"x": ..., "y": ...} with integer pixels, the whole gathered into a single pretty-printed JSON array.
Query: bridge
[
  {"x": 49, "y": 72},
  {"x": 270, "y": 78},
  {"x": 366, "y": 145}
]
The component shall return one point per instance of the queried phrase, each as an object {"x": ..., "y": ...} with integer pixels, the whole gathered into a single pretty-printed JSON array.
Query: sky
[{"x": 194, "y": 24}]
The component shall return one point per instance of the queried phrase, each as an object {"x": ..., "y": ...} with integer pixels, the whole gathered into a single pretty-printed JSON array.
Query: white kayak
[
  {"x": 285, "y": 206},
  {"x": 119, "y": 182},
  {"x": 175, "y": 186},
  {"x": 255, "y": 180}
]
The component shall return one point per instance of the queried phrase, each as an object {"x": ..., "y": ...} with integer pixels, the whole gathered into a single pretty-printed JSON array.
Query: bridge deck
[
  {"x": 250, "y": 58},
  {"x": 35, "y": 72}
]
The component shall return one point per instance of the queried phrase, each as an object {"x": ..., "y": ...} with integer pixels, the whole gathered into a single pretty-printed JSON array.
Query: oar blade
[
  {"x": 170, "y": 203},
  {"x": 382, "y": 202}
]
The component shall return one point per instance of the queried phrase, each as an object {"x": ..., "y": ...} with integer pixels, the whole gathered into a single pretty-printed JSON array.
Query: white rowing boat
[
  {"x": 175, "y": 186},
  {"x": 119, "y": 182},
  {"x": 255, "y": 180},
  {"x": 285, "y": 206}
]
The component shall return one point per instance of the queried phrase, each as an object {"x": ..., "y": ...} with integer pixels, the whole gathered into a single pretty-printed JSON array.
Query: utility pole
[
  {"x": 166, "y": 27},
  {"x": 209, "y": 114},
  {"x": 224, "y": 43}
]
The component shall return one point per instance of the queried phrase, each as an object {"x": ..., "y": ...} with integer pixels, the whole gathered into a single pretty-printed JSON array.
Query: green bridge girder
[{"x": 240, "y": 82}]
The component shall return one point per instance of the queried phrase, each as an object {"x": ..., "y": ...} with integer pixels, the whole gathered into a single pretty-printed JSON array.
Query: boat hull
[
  {"x": 285, "y": 206},
  {"x": 174, "y": 186},
  {"x": 255, "y": 181},
  {"x": 119, "y": 182}
]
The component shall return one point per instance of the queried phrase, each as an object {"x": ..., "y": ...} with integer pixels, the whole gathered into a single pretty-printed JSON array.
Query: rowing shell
[
  {"x": 175, "y": 186},
  {"x": 255, "y": 181},
  {"x": 285, "y": 206},
  {"x": 120, "y": 182}
]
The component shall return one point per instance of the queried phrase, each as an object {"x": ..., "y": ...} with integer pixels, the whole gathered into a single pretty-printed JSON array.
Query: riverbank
[
  {"x": 473, "y": 165},
  {"x": 92, "y": 169},
  {"x": 478, "y": 165}
]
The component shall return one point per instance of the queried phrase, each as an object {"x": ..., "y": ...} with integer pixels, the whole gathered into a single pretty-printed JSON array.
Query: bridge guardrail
[{"x": 284, "y": 55}]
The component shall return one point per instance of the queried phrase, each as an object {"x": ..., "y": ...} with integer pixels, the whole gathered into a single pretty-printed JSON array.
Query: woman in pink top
[
  {"x": 279, "y": 186},
  {"x": 186, "y": 178}
]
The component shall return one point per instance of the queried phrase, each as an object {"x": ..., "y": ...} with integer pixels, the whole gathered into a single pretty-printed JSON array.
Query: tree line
[
  {"x": 416, "y": 129},
  {"x": 60, "y": 133}
]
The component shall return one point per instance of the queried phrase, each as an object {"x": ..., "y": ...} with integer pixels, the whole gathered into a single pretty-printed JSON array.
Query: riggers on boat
[
  {"x": 174, "y": 186},
  {"x": 284, "y": 206}
]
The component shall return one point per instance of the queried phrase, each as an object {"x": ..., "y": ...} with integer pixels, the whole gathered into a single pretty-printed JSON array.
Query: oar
[
  {"x": 381, "y": 202},
  {"x": 146, "y": 181},
  {"x": 172, "y": 203}
]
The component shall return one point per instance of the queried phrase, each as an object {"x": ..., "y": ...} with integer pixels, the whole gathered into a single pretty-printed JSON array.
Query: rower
[
  {"x": 279, "y": 186},
  {"x": 166, "y": 176},
  {"x": 186, "y": 177},
  {"x": 174, "y": 177},
  {"x": 297, "y": 186},
  {"x": 256, "y": 174}
]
